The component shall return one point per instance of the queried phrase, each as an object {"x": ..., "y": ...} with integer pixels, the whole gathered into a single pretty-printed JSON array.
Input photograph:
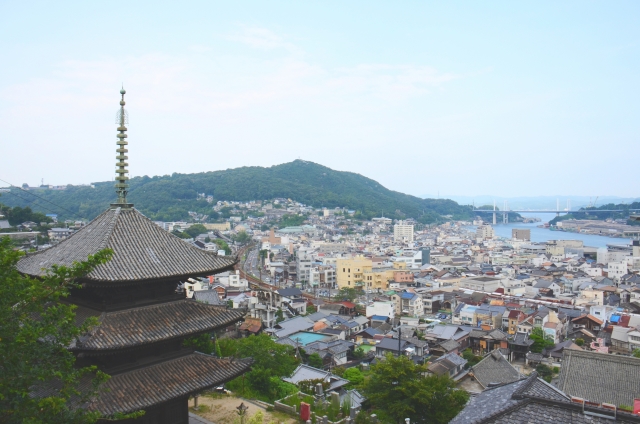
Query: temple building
[{"x": 143, "y": 317}]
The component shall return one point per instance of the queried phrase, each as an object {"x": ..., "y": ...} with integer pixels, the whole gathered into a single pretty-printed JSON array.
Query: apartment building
[
  {"x": 403, "y": 232},
  {"x": 485, "y": 232},
  {"x": 350, "y": 272}
]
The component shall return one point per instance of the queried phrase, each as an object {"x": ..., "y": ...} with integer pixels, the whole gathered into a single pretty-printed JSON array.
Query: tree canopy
[
  {"x": 541, "y": 340},
  {"x": 18, "y": 215},
  {"x": 400, "y": 389},
  {"x": 195, "y": 230},
  {"x": 271, "y": 362},
  {"x": 172, "y": 197},
  {"x": 39, "y": 381}
]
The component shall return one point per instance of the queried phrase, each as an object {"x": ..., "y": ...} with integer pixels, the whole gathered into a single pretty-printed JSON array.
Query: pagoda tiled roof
[
  {"x": 146, "y": 387},
  {"x": 142, "y": 251},
  {"x": 149, "y": 324}
]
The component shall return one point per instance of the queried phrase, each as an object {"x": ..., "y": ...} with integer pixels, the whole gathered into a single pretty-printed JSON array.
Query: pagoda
[{"x": 143, "y": 317}]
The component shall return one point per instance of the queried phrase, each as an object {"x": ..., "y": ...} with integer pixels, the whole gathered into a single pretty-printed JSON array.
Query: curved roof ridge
[
  {"x": 66, "y": 240},
  {"x": 112, "y": 225},
  {"x": 191, "y": 246},
  {"x": 222, "y": 308},
  {"x": 142, "y": 251}
]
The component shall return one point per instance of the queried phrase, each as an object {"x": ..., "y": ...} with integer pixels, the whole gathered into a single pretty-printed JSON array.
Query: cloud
[{"x": 262, "y": 38}]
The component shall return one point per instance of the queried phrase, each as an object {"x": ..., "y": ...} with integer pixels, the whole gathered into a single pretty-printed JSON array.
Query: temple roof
[
  {"x": 149, "y": 324},
  {"x": 142, "y": 251},
  {"x": 149, "y": 386}
]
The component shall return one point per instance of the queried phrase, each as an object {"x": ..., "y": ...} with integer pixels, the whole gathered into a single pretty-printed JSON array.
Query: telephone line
[{"x": 73, "y": 214}]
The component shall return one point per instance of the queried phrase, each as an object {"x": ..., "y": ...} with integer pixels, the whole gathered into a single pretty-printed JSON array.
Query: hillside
[
  {"x": 170, "y": 197},
  {"x": 597, "y": 213}
]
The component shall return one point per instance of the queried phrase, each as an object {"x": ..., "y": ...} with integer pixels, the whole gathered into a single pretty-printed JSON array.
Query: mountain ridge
[{"x": 171, "y": 197}]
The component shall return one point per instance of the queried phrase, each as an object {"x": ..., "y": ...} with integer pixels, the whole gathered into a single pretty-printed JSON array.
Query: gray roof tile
[{"x": 142, "y": 251}]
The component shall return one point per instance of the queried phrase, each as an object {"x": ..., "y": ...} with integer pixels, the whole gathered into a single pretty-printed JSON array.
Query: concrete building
[
  {"x": 403, "y": 232},
  {"x": 485, "y": 232},
  {"x": 521, "y": 234},
  {"x": 304, "y": 262},
  {"x": 483, "y": 284},
  {"x": 350, "y": 272}
]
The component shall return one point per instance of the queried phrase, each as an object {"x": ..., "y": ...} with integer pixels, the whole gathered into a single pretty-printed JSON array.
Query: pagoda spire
[{"x": 122, "y": 118}]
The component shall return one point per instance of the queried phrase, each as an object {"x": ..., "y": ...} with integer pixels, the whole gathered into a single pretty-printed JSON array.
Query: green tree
[
  {"x": 399, "y": 388},
  {"x": 580, "y": 341},
  {"x": 180, "y": 234},
  {"x": 470, "y": 357},
  {"x": 354, "y": 375},
  {"x": 315, "y": 361},
  {"x": 279, "y": 316},
  {"x": 636, "y": 353},
  {"x": 262, "y": 254},
  {"x": 195, "y": 230},
  {"x": 222, "y": 245},
  {"x": 545, "y": 372},
  {"x": 33, "y": 352},
  {"x": 359, "y": 353},
  {"x": 201, "y": 343},
  {"x": 541, "y": 340},
  {"x": 348, "y": 293},
  {"x": 242, "y": 237},
  {"x": 271, "y": 362}
]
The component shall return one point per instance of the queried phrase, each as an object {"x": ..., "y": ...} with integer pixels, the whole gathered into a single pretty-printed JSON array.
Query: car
[{"x": 221, "y": 389}]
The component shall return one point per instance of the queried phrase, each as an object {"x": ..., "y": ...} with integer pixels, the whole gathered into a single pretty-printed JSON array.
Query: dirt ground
[{"x": 221, "y": 409}]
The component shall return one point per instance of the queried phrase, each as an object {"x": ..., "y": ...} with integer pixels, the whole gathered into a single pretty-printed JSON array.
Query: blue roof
[
  {"x": 407, "y": 295},
  {"x": 615, "y": 318},
  {"x": 379, "y": 318}
]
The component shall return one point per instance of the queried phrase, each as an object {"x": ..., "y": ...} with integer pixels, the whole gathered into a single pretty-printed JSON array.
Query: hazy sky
[{"x": 507, "y": 98}]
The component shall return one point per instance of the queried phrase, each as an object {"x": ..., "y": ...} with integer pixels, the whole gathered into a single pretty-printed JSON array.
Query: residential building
[
  {"x": 485, "y": 232},
  {"x": 350, "y": 272},
  {"x": 521, "y": 234},
  {"x": 403, "y": 232}
]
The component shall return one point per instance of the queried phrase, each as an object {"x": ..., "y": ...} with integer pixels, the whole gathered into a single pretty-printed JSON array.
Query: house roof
[
  {"x": 150, "y": 324},
  {"x": 306, "y": 372},
  {"x": 142, "y": 251},
  {"x": 600, "y": 377},
  {"x": 208, "y": 296},
  {"x": 533, "y": 400},
  {"x": 494, "y": 369},
  {"x": 590, "y": 318},
  {"x": 392, "y": 344},
  {"x": 145, "y": 387},
  {"x": 289, "y": 292},
  {"x": 293, "y": 325},
  {"x": 449, "y": 345}
]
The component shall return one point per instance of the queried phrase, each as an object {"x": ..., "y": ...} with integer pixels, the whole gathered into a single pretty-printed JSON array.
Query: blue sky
[{"x": 460, "y": 98}]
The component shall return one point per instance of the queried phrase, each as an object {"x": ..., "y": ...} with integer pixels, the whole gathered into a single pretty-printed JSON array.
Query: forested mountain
[
  {"x": 170, "y": 197},
  {"x": 598, "y": 213}
]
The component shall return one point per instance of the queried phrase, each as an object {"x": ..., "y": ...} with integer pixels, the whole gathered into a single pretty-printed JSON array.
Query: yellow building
[
  {"x": 350, "y": 272},
  {"x": 359, "y": 272},
  {"x": 224, "y": 226}
]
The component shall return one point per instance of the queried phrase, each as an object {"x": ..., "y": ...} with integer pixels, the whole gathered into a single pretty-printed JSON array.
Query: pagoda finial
[{"x": 122, "y": 187}]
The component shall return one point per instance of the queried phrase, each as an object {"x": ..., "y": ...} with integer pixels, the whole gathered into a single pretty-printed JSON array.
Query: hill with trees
[
  {"x": 600, "y": 214},
  {"x": 171, "y": 197}
]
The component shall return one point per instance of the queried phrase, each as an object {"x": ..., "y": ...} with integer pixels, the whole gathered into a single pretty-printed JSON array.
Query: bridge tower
[
  {"x": 505, "y": 214},
  {"x": 494, "y": 213}
]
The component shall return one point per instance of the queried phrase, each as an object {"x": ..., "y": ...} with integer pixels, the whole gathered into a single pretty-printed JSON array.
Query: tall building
[
  {"x": 485, "y": 232},
  {"x": 403, "y": 232},
  {"x": 350, "y": 272},
  {"x": 143, "y": 317},
  {"x": 521, "y": 234}
]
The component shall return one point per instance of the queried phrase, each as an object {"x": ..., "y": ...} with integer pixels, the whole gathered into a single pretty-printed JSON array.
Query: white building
[
  {"x": 615, "y": 270},
  {"x": 403, "y": 232},
  {"x": 385, "y": 309},
  {"x": 485, "y": 232}
]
